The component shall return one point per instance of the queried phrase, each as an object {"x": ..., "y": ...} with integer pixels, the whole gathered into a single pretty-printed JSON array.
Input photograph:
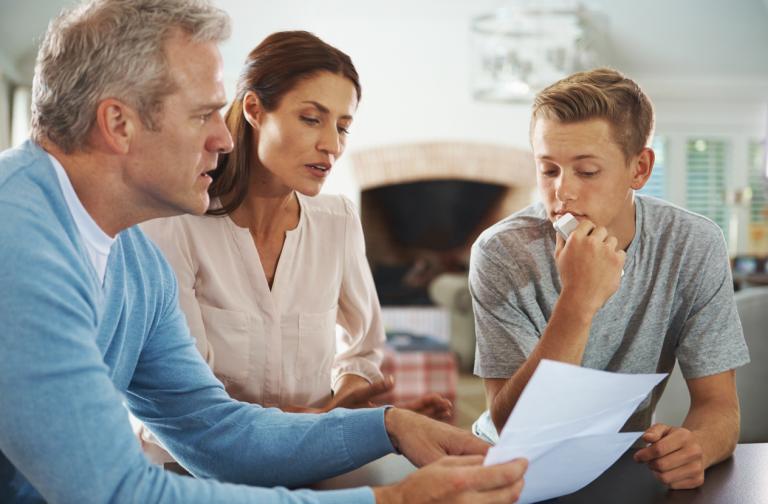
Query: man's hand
[
  {"x": 423, "y": 440},
  {"x": 674, "y": 455},
  {"x": 589, "y": 265},
  {"x": 457, "y": 480}
]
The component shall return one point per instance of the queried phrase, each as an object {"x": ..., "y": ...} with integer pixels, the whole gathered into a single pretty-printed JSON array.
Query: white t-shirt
[{"x": 97, "y": 243}]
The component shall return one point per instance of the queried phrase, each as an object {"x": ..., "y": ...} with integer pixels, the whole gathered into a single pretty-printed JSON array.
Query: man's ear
[
  {"x": 252, "y": 109},
  {"x": 116, "y": 124},
  {"x": 642, "y": 168}
]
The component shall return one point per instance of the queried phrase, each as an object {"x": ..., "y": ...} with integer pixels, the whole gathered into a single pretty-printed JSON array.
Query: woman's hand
[
  {"x": 432, "y": 405},
  {"x": 357, "y": 392}
]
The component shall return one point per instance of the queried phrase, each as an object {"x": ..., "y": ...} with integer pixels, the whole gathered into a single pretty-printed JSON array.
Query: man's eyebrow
[
  {"x": 323, "y": 108},
  {"x": 210, "y": 106}
]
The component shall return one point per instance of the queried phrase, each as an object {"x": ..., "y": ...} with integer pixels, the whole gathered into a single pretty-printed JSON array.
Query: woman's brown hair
[{"x": 271, "y": 70}]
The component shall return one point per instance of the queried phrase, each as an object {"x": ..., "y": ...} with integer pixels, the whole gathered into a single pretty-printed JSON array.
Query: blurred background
[{"x": 439, "y": 148}]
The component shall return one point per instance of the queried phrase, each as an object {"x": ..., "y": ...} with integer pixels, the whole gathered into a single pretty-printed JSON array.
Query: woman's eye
[
  {"x": 310, "y": 120},
  {"x": 588, "y": 173},
  {"x": 343, "y": 130}
]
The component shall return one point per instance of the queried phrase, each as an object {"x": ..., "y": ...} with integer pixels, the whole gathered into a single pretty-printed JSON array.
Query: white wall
[{"x": 415, "y": 64}]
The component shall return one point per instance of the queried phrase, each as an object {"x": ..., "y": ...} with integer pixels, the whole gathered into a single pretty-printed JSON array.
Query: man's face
[
  {"x": 167, "y": 172},
  {"x": 580, "y": 169}
]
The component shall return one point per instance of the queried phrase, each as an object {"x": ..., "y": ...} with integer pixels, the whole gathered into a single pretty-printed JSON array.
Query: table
[{"x": 742, "y": 479}]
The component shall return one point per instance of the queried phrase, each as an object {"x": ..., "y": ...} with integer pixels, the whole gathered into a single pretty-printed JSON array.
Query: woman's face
[{"x": 298, "y": 143}]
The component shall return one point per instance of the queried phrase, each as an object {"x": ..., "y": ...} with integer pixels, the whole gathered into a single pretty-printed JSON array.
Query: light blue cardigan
[{"x": 73, "y": 352}]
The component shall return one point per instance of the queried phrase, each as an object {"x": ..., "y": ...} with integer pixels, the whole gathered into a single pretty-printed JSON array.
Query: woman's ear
[
  {"x": 252, "y": 110},
  {"x": 642, "y": 168}
]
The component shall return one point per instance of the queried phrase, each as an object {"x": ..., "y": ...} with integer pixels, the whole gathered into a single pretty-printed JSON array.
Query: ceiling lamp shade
[{"x": 524, "y": 46}]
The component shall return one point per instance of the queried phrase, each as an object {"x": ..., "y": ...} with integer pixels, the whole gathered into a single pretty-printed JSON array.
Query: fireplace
[{"x": 423, "y": 205}]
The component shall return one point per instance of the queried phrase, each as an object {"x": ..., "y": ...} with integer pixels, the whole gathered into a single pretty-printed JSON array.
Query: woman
[{"x": 267, "y": 275}]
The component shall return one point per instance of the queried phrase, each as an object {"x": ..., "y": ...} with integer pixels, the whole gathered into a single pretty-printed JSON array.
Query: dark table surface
[{"x": 742, "y": 479}]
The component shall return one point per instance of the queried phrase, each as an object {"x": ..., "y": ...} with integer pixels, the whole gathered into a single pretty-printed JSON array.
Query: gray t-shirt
[{"x": 675, "y": 299}]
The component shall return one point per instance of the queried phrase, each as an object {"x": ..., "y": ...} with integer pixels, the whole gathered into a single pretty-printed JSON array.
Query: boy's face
[{"x": 582, "y": 170}]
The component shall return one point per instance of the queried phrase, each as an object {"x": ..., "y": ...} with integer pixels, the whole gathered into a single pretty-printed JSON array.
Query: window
[
  {"x": 657, "y": 184},
  {"x": 758, "y": 183},
  {"x": 705, "y": 179}
]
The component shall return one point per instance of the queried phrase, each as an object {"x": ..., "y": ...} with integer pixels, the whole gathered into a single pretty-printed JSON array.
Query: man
[
  {"x": 537, "y": 296},
  {"x": 126, "y": 125}
]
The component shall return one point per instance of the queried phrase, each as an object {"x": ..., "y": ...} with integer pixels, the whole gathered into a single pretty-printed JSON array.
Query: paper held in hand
[{"x": 566, "y": 423}]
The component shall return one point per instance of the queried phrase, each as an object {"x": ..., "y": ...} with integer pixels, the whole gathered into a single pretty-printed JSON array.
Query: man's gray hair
[{"x": 112, "y": 49}]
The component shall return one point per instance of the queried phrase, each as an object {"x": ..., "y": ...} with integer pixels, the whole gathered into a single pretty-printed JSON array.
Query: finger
[
  {"x": 688, "y": 483},
  {"x": 381, "y": 386},
  {"x": 460, "y": 460},
  {"x": 676, "y": 476},
  {"x": 612, "y": 243},
  {"x": 484, "y": 478},
  {"x": 622, "y": 256},
  {"x": 668, "y": 443},
  {"x": 466, "y": 443},
  {"x": 599, "y": 233},
  {"x": 499, "y": 496},
  {"x": 584, "y": 228},
  {"x": 679, "y": 458},
  {"x": 656, "y": 432}
]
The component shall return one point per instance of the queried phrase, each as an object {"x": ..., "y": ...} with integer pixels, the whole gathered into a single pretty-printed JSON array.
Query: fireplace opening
[{"x": 416, "y": 231}]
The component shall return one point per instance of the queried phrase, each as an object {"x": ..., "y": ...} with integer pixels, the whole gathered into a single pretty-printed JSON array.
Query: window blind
[
  {"x": 706, "y": 161},
  {"x": 758, "y": 183},
  {"x": 657, "y": 184}
]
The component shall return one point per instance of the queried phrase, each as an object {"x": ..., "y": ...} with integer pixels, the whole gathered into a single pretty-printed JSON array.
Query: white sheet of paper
[
  {"x": 559, "y": 392},
  {"x": 565, "y": 466},
  {"x": 566, "y": 424}
]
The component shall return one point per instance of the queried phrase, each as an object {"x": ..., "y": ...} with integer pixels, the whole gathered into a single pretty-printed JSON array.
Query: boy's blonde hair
[{"x": 602, "y": 93}]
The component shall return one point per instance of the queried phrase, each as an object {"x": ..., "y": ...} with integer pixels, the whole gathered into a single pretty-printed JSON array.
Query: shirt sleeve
[
  {"x": 360, "y": 337},
  {"x": 505, "y": 335},
  {"x": 712, "y": 340},
  {"x": 64, "y": 427}
]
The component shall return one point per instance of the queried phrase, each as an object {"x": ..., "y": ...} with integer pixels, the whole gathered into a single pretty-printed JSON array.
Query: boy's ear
[
  {"x": 642, "y": 168},
  {"x": 116, "y": 125}
]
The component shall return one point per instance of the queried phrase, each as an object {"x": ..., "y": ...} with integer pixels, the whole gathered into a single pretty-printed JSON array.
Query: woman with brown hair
[{"x": 273, "y": 280}]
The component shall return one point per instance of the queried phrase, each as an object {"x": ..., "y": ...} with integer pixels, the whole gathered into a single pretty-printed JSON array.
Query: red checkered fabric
[{"x": 419, "y": 373}]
